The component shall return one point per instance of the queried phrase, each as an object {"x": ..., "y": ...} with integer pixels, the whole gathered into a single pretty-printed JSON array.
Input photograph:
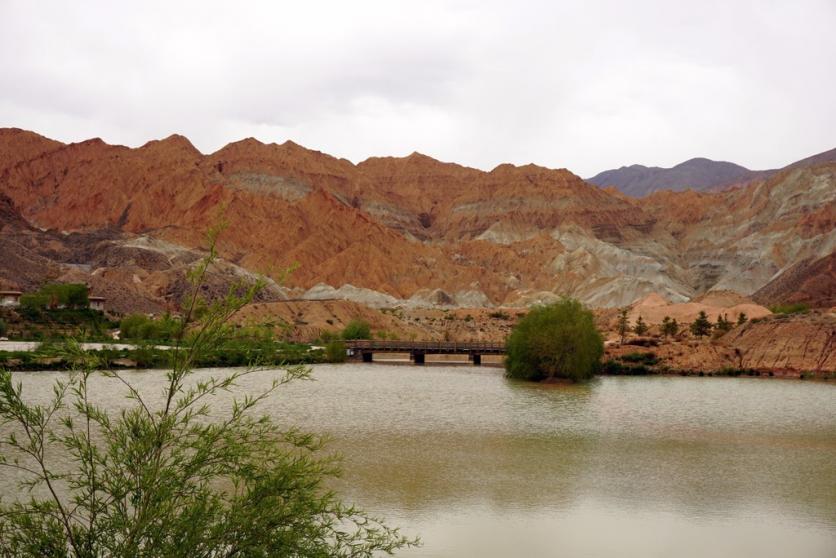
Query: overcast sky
[{"x": 587, "y": 85}]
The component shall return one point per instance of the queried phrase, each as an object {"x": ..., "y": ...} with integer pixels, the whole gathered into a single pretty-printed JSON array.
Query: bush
[
  {"x": 615, "y": 368},
  {"x": 555, "y": 341},
  {"x": 645, "y": 358},
  {"x": 643, "y": 342},
  {"x": 357, "y": 329},
  {"x": 794, "y": 308},
  {"x": 327, "y": 336},
  {"x": 139, "y": 327},
  {"x": 168, "y": 477},
  {"x": 34, "y": 302},
  {"x": 335, "y": 351},
  {"x": 500, "y": 315}
]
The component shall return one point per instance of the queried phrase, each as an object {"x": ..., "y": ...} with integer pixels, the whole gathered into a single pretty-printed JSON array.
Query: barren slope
[{"x": 414, "y": 227}]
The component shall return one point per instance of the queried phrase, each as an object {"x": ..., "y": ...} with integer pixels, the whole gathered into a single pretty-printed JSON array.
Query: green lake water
[{"x": 478, "y": 465}]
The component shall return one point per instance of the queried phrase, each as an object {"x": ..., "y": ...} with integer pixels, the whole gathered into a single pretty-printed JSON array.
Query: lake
[{"x": 479, "y": 465}]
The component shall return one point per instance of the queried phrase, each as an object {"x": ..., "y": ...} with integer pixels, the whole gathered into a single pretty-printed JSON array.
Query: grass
[{"x": 794, "y": 308}]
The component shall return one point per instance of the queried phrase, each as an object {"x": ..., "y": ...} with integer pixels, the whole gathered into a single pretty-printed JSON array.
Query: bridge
[{"x": 365, "y": 349}]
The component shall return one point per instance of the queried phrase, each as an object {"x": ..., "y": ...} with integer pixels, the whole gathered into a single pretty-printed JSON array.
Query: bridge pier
[
  {"x": 418, "y": 358},
  {"x": 367, "y": 356}
]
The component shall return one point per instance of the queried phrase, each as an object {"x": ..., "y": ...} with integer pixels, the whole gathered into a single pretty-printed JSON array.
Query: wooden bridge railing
[{"x": 441, "y": 347}]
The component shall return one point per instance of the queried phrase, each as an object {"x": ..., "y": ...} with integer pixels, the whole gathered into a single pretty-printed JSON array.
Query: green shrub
[
  {"x": 642, "y": 342},
  {"x": 138, "y": 326},
  {"x": 335, "y": 351},
  {"x": 794, "y": 308},
  {"x": 34, "y": 302},
  {"x": 357, "y": 329},
  {"x": 327, "y": 336},
  {"x": 616, "y": 368},
  {"x": 168, "y": 477},
  {"x": 644, "y": 358},
  {"x": 555, "y": 341}
]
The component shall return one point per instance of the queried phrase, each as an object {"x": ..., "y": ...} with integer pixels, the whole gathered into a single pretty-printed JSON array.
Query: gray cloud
[{"x": 586, "y": 86}]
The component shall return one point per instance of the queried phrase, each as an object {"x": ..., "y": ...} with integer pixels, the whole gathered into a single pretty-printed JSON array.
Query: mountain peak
[
  {"x": 175, "y": 143},
  {"x": 698, "y": 173}
]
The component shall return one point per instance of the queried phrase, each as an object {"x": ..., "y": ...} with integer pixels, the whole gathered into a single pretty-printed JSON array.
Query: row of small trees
[
  {"x": 57, "y": 295},
  {"x": 669, "y": 327}
]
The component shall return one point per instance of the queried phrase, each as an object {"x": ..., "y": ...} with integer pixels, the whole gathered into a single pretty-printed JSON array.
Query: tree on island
[
  {"x": 640, "y": 328},
  {"x": 555, "y": 341},
  {"x": 669, "y": 327},
  {"x": 177, "y": 475},
  {"x": 701, "y": 326},
  {"x": 623, "y": 324}
]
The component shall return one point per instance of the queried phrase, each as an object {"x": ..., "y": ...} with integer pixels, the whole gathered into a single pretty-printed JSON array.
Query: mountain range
[
  {"x": 400, "y": 230},
  {"x": 699, "y": 174}
]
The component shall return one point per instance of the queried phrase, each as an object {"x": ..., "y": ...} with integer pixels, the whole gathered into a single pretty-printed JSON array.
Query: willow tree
[
  {"x": 164, "y": 477},
  {"x": 555, "y": 341}
]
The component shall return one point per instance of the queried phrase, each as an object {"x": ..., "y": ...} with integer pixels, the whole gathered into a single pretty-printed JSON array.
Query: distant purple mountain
[{"x": 697, "y": 174}]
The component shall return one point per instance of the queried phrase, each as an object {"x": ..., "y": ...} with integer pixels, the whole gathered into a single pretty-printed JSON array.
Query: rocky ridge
[{"x": 395, "y": 230}]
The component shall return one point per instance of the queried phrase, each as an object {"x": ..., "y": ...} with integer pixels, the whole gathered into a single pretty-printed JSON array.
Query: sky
[{"x": 586, "y": 85}]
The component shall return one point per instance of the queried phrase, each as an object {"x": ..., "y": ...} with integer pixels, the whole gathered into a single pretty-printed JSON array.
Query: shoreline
[{"x": 54, "y": 364}]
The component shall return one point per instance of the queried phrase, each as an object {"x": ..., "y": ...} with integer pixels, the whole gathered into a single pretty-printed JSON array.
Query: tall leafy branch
[{"x": 173, "y": 475}]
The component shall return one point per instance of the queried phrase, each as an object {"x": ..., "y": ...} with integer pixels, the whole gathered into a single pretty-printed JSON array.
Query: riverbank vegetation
[
  {"x": 44, "y": 324},
  {"x": 164, "y": 478},
  {"x": 229, "y": 353},
  {"x": 558, "y": 341}
]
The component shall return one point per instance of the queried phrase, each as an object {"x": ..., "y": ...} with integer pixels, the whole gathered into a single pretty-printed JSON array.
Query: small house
[
  {"x": 97, "y": 303},
  {"x": 10, "y": 298}
]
